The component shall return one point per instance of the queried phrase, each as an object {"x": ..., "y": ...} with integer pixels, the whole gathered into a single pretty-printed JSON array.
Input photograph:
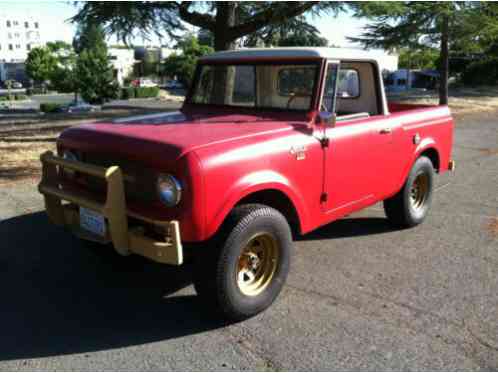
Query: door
[{"x": 355, "y": 153}]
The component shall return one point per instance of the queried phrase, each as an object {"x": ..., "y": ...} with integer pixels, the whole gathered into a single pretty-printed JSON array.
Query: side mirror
[{"x": 327, "y": 119}]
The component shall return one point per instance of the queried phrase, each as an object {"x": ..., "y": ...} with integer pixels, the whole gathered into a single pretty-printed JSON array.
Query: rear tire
[
  {"x": 409, "y": 207},
  {"x": 246, "y": 267}
]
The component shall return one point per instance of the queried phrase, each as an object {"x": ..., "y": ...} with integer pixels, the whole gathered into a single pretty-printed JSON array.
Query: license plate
[{"x": 92, "y": 221}]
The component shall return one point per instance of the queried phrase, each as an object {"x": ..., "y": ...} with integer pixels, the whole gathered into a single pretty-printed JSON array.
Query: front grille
[{"x": 141, "y": 189}]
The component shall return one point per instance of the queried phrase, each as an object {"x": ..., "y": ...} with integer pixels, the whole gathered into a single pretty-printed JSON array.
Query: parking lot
[{"x": 360, "y": 295}]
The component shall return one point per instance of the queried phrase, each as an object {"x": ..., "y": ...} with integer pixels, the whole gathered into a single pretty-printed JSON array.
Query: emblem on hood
[{"x": 299, "y": 152}]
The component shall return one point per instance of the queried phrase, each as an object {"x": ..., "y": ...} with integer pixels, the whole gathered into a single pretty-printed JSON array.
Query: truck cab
[{"x": 269, "y": 144}]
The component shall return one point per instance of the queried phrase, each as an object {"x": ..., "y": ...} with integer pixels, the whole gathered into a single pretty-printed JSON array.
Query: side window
[
  {"x": 296, "y": 81},
  {"x": 329, "y": 89},
  {"x": 348, "y": 84}
]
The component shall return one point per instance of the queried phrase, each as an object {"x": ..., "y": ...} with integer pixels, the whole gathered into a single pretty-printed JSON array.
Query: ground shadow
[
  {"x": 58, "y": 297},
  {"x": 350, "y": 227}
]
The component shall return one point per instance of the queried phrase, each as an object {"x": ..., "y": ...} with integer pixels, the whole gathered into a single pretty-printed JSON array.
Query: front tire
[
  {"x": 245, "y": 270},
  {"x": 409, "y": 207}
]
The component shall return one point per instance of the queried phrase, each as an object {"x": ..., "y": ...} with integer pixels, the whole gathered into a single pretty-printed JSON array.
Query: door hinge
[
  {"x": 324, "y": 197},
  {"x": 325, "y": 142}
]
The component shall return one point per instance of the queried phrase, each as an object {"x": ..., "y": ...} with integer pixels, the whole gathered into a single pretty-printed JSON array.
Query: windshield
[{"x": 269, "y": 86}]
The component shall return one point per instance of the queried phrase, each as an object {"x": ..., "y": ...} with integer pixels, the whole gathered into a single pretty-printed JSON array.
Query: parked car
[
  {"x": 173, "y": 84},
  {"x": 78, "y": 106},
  {"x": 14, "y": 84},
  {"x": 269, "y": 143},
  {"x": 143, "y": 82}
]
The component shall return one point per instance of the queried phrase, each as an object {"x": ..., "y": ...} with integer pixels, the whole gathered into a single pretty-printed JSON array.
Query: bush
[
  {"x": 21, "y": 97},
  {"x": 49, "y": 107},
  {"x": 484, "y": 72},
  {"x": 35, "y": 91},
  {"x": 13, "y": 97},
  {"x": 139, "y": 92},
  {"x": 127, "y": 93},
  {"x": 146, "y": 92}
]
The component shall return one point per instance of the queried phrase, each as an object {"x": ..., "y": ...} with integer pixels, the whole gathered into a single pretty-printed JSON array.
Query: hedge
[
  {"x": 139, "y": 92},
  {"x": 50, "y": 107},
  {"x": 484, "y": 72},
  {"x": 13, "y": 97}
]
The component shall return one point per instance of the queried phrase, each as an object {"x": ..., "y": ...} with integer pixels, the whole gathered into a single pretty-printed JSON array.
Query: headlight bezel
[
  {"x": 69, "y": 155},
  {"x": 169, "y": 197}
]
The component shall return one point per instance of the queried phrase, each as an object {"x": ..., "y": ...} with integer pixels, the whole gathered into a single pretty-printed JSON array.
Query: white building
[
  {"x": 18, "y": 35},
  {"x": 123, "y": 61}
]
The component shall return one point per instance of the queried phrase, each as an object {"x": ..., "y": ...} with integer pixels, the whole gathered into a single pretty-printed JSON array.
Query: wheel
[
  {"x": 246, "y": 267},
  {"x": 410, "y": 205}
]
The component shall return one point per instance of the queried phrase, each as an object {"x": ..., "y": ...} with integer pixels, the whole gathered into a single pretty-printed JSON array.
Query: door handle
[{"x": 385, "y": 131}]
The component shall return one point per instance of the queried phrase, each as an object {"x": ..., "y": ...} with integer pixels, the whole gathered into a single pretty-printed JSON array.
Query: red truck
[{"x": 269, "y": 143}]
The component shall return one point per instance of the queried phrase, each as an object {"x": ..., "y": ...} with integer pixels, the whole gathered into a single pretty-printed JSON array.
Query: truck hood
[{"x": 165, "y": 137}]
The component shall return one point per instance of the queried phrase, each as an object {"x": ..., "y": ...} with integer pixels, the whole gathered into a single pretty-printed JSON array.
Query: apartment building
[{"x": 18, "y": 35}]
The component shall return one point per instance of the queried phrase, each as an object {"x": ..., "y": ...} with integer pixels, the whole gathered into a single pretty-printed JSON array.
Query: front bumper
[{"x": 125, "y": 239}]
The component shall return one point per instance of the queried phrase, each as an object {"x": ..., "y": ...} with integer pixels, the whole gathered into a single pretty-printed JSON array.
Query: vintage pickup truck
[{"x": 269, "y": 143}]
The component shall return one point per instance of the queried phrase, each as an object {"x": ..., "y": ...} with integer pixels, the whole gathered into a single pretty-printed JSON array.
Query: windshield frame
[{"x": 317, "y": 62}]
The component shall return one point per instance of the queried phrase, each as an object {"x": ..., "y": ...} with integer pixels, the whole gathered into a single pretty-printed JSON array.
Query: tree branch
[
  {"x": 270, "y": 16},
  {"x": 205, "y": 21}
]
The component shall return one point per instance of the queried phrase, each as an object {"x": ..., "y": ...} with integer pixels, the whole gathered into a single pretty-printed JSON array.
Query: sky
[{"x": 53, "y": 15}]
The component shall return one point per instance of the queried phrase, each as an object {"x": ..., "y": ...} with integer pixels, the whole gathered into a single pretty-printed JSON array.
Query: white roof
[{"x": 296, "y": 52}]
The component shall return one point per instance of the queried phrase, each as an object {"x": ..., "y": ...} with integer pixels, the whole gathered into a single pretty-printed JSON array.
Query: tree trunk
[
  {"x": 225, "y": 18},
  {"x": 444, "y": 58}
]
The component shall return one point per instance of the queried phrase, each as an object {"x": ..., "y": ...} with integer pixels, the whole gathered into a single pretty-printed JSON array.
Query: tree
[
  {"x": 421, "y": 25},
  {"x": 94, "y": 72},
  {"x": 63, "y": 76},
  {"x": 183, "y": 65},
  {"x": 227, "y": 21},
  {"x": 40, "y": 64},
  {"x": 421, "y": 58},
  {"x": 296, "y": 32}
]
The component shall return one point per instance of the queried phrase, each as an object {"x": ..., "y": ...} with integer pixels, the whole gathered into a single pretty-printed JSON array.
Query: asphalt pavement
[{"x": 360, "y": 296}]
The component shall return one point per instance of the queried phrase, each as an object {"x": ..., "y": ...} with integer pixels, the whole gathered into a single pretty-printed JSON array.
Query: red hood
[{"x": 164, "y": 137}]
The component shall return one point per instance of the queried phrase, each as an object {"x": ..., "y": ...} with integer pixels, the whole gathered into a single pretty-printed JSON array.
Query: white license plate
[{"x": 92, "y": 221}]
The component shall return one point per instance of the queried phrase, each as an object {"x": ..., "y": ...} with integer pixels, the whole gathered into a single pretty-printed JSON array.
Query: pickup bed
[{"x": 269, "y": 143}]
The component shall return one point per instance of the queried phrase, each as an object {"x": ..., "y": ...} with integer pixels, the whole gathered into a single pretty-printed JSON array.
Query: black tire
[
  {"x": 217, "y": 270},
  {"x": 405, "y": 211}
]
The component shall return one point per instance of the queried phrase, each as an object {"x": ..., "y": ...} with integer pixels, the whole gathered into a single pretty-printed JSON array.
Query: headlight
[
  {"x": 169, "y": 190},
  {"x": 70, "y": 156}
]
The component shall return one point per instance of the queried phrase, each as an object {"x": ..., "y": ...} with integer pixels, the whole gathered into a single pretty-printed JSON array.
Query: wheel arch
[{"x": 273, "y": 194}]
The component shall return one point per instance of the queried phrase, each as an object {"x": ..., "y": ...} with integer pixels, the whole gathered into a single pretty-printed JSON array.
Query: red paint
[{"x": 222, "y": 155}]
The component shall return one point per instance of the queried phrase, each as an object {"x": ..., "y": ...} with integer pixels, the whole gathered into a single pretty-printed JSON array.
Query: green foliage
[
  {"x": 127, "y": 93},
  {"x": 423, "y": 58},
  {"x": 88, "y": 36},
  {"x": 296, "y": 32},
  {"x": 63, "y": 77},
  {"x": 139, "y": 92},
  {"x": 40, "y": 64},
  {"x": 183, "y": 65},
  {"x": 16, "y": 97},
  {"x": 483, "y": 72},
  {"x": 226, "y": 21},
  {"x": 146, "y": 92},
  {"x": 94, "y": 72},
  {"x": 50, "y": 107}
]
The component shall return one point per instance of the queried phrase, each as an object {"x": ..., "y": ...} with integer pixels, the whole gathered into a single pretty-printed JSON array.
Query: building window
[
  {"x": 11, "y": 47},
  {"x": 36, "y": 24},
  {"x": 16, "y": 35},
  {"x": 8, "y": 24},
  {"x": 16, "y": 23},
  {"x": 18, "y": 46},
  {"x": 28, "y": 47},
  {"x": 26, "y": 24},
  {"x": 10, "y": 35}
]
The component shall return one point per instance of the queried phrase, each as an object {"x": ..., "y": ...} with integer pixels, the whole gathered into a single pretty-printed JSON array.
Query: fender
[
  {"x": 425, "y": 144},
  {"x": 257, "y": 182}
]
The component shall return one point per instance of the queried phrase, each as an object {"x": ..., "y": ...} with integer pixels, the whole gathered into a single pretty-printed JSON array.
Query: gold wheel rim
[
  {"x": 257, "y": 264},
  {"x": 419, "y": 192}
]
